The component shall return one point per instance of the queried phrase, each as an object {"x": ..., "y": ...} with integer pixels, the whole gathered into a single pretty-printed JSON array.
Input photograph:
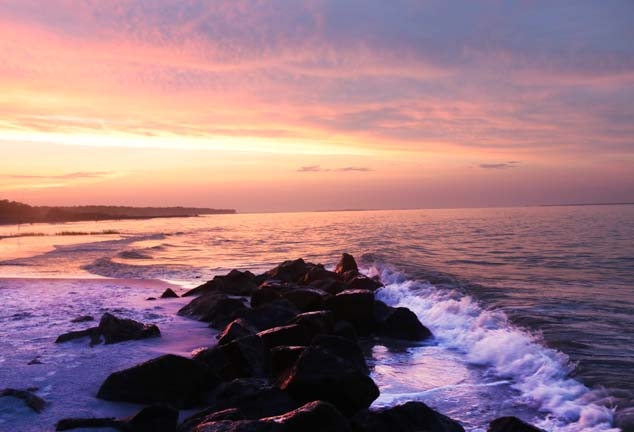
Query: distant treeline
[{"x": 12, "y": 212}]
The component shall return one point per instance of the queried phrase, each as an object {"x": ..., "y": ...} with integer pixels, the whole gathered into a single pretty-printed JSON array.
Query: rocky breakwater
[{"x": 288, "y": 358}]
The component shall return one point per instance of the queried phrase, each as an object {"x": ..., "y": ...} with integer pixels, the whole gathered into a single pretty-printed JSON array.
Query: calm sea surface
[{"x": 525, "y": 284}]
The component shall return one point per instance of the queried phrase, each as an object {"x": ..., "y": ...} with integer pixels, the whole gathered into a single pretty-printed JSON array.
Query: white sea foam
[{"x": 487, "y": 339}]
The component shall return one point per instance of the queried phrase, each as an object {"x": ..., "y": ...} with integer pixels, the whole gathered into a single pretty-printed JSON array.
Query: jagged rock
[
  {"x": 214, "y": 308},
  {"x": 149, "y": 419},
  {"x": 364, "y": 283},
  {"x": 93, "y": 333},
  {"x": 244, "y": 357},
  {"x": 81, "y": 319},
  {"x": 269, "y": 315},
  {"x": 169, "y": 379},
  {"x": 253, "y": 397},
  {"x": 331, "y": 286},
  {"x": 511, "y": 424},
  {"x": 235, "y": 283},
  {"x": 289, "y": 271},
  {"x": 207, "y": 416},
  {"x": 316, "y": 416},
  {"x": 343, "y": 348},
  {"x": 236, "y": 329},
  {"x": 169, "y": 293},
  {"x": 409, "y": 417},
  {"x": 292, "y": 334},
  {"x": 116, "y": 329},
  {"x": 346, "y": 263},
  {"x": 356, "y": 307},
  {"x": 283, "y": 357},
  {"x": 402, "y": 323},
  {"x": 307, "y": 299},
  {"x": 320, "y": 374},
  {"x": 319, "y": 273},
  {"x": 29, "y": 398},
  {"x": 316, "y": 322}
]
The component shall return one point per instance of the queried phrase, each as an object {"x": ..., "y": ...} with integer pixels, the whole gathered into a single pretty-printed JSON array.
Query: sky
[{"x": 291, "y": 105}]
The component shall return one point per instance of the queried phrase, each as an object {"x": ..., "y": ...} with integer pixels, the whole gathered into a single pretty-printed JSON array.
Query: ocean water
[{"x": 532, "y": 308}]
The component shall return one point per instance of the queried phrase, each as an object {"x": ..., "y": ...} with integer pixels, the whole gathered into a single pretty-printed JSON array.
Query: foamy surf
[{"x": 508, "y": 355}]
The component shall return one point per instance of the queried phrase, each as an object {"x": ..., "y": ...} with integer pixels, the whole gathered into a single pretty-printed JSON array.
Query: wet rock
[
  {"x": 347, "y": 263},
  {"x": 149, "y": 419},
  {"x": 35, "y": 361},
  {"x": 284, "y": 357},
  {"x": 345, "y": 349},
  {"x": 81, "y": 319},
  {"x": 93, "y": 333},
  {"x": 207, "y": 416},
  {"x": 236, "y": 329},
  {"x": 116, "y": 329},
  {"x": 331, "y": 286},
  {"x": 307, "y": 299},
  {"x": 269, "y": 291},
  {"x": 402, "y": 323},
  {"x": 356, "y": 307},
  {"x": 364, "y": 283},
  {"x": 151, "y": 298},
  {"x": 320, "y": 374},
  {"x": 236, "y": 283},
  {"x": 240, "y": 426},
  {"x": 319, "y": 273},
  {"x": 273, "y": 314},
  {"x": 289, "y": 271},
  {"x": 169, "y": 293},
  {"x": 345, "y": 330},
  {"x": 254, "y": 398},
  {"x": 409, "y": 417},
  {"x": 216, "y": 309},
  {"x": 511, "y": 424},
  {"x": 316, "y": 416},
  {"x": 241, "y": 358},
  {"x": 29, "y": 398},
  {"x": 316, "y": 322},
  {"x": 292, "y": 334},
  {"x": 167, "y": 379}
]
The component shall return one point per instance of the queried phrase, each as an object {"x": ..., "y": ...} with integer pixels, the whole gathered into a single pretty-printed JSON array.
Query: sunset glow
[{"x": 311, "y": 105}]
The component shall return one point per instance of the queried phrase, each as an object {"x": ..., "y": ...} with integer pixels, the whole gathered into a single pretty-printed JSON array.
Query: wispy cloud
[
  {"x": 67, "y": 176},
  {"x": 319, "y": 168},
  {"x": 498, "y": 166}
]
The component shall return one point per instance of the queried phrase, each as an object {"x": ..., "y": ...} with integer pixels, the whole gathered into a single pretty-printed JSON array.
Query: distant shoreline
[{"x": 16, "y": 213}]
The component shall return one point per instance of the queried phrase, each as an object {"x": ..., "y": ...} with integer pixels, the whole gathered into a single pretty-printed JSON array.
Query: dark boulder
[
  {"x": 207, "y": 416},
  {"x": 318, "y": 273},
  {"x": 307, "y": 299},
  {"x": 292, "y": 334},
  {"x": 241, "y": 358},
  {"x": 93, "y": 333},
  {"x": 216, "y": 309},
  {"x": 331, "y": 286},
  {"x": 240, "y": 426},
  {"x": 356, "y": 307},
  {"x": 169, "y": 293},
  {"x": 344, "y": 348},
  {"x": 236, "y": 329},
  {"x": 290, "y": 271},
  {"x": 116, "y": 329},
  {"x": 316, "y": 416},
  {"x": 409, "y": 417},
  {"x": 273, "y": 314},
  {"x": 319, "y": 374},
  {"x": 511, "y": 424},
  {"x": 284, "y": 357},
  {"x": 316, "y": 322},
  {"x": 345, "y": 330},
  {"x": 167, "y": 379},
  {"x": 29, "y": 398},
  {"x": 347, "y": 263},
  {"x": 269, "y": 291},
  {"x": 402, "y": 323},
  {"x": 149, "y": 419},
  {"x": 235, "y": 283},
  {"x": 254, "y": 398},
  {"x": 364, "y": 283}
]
